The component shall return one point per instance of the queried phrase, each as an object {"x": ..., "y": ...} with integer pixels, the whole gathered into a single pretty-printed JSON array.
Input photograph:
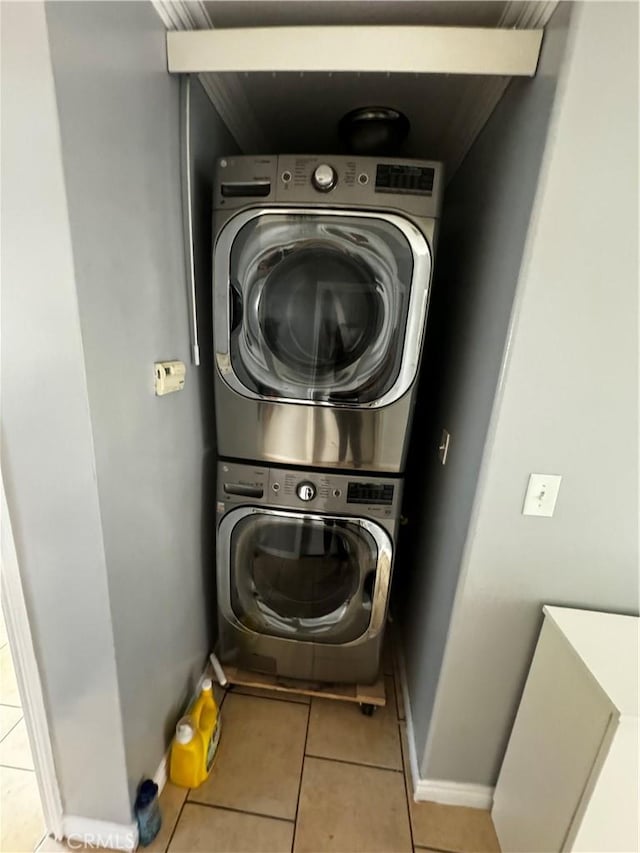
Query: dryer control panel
[
  {"x": 409, "y": 186},
  {"x": 312, "y": 491}
]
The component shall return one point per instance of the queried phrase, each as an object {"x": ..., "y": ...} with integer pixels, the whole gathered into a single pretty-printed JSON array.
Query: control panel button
[
  {"x": 286, "y": 177},
  {"x": 324, "y": 178},
  {"x": 336, "y": 493},
  {"x": 276, "y": 487},
  {"x": 306, "y": 491}
]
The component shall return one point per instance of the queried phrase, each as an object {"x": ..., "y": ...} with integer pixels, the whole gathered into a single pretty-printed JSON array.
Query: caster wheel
[{"x": 367, "y": 709}]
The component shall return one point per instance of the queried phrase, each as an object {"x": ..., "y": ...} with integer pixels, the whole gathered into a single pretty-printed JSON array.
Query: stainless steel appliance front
[
  {"x": 319, "y": 318},
  {"x": 304, "y": 565}
]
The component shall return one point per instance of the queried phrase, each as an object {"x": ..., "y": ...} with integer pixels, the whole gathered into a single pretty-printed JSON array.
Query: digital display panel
[
  {"x": 370, "y": 493},
  {"x": 408, "y": 179}
]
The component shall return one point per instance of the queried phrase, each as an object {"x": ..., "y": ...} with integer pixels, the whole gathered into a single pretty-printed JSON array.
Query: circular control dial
[
  {"x": 324, "y": 177},
  {"x": 306, "y": 491}
]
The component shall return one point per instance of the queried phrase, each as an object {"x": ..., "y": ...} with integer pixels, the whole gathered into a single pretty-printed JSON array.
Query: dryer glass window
[
  {"x": 305, "y": 578},
  {"x": 319, "y": 306}
]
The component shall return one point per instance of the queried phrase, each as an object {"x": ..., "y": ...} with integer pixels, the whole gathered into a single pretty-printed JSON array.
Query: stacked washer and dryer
[{"x": 322, "y": 271}]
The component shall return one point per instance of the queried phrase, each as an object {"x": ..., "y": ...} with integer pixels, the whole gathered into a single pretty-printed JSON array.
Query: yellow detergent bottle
[{"x": 196, "y": 741}]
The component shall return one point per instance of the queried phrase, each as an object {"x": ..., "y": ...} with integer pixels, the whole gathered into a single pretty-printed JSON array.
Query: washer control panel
[{"x": 314, "y": 491}]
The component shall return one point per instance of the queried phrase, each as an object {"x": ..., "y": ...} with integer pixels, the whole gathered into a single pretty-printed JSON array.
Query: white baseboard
[
  {"x": 437, "y": 790},
  {"x": 99, "y": 833},
  {"x": 161, "y": 776},
  {"x": 454, "y": 793}
]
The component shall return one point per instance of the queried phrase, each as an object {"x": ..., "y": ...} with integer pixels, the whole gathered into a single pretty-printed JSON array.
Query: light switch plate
[{"x": 542, "y": 494}]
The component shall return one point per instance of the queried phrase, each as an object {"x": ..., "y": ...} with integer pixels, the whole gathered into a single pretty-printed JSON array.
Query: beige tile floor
[
  {"x": 21, "y": 822},
  {"x": 292, "y": 774},
  {"x": 309, "y": 775}
]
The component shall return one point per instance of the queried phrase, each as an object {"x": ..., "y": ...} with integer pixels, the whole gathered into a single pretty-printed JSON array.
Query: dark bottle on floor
[{"x": 147, "y": 809}]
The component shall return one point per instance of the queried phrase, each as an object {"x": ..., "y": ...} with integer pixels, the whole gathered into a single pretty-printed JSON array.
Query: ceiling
[
  {"x": 299, "y": 113},
  {"x": 283, "y": 13}
]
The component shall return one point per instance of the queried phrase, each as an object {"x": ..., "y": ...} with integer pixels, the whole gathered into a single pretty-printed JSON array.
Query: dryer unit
[
  {"x": 322, "y": 272},
  {"x": 304, "y": 563}
]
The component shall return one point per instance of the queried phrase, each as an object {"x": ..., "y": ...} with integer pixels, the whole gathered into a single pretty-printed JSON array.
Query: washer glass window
[
  {"x": 302, "y": 578},
  {"x": 318, "y": 306}
]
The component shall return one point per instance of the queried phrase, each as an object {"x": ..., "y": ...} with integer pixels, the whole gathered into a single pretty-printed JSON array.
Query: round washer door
[
  {"x": 303, "y": 577},
  {"x": 316, "y": 306}
]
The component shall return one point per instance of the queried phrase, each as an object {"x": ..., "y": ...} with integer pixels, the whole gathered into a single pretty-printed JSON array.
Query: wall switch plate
[
  {"x": 443, "y": 448},
  {"x": 169, "y": 376},
  {"x": 542, "y": 494}
]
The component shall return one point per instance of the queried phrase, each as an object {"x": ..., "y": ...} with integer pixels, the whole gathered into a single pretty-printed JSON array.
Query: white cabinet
[{"x": 569, "y": 779}]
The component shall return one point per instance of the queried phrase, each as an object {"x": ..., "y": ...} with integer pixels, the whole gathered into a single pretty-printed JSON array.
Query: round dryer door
[
  {"x": 319, "y": 312},
  {"x": 303, "y": 577},
  {"x": 319, "y": 304}
]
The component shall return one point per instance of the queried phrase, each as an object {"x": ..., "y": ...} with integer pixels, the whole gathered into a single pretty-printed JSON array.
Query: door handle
[
  {"x": 235, "y": 307},
  {"x": 369, "y": 585}
]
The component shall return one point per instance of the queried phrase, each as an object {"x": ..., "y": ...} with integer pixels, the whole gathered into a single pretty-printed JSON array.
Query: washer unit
[
  {"x": 304, "y": 562},
  {"x": 322, "y": 271}
]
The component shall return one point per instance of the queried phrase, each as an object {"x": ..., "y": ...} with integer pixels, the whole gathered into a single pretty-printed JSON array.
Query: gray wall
[
  {"x": 485, "y": 222},
  {"x": 120, "y": 129},
  {"x": 568, "y": 405},
  {"x": 48, "y": 462}
]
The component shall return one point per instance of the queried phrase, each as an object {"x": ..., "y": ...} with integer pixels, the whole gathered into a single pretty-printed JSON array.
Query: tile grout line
[
  {"x": 398, "y": 689},
  {"x": 11, "y": 729},
  {"x": 271, "y": 698},
  {"x": 13, "y": 767},
  {"x": 175, "y": 825},
  {"x": 354, "y": 763},
  {"x": 304, "y": 758},
  {"x": 236, "y": 811},
  {"x": 434, "y": 849},
  {"x": 406, "y": 787},
  {"x": 400, "y": 723}
]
